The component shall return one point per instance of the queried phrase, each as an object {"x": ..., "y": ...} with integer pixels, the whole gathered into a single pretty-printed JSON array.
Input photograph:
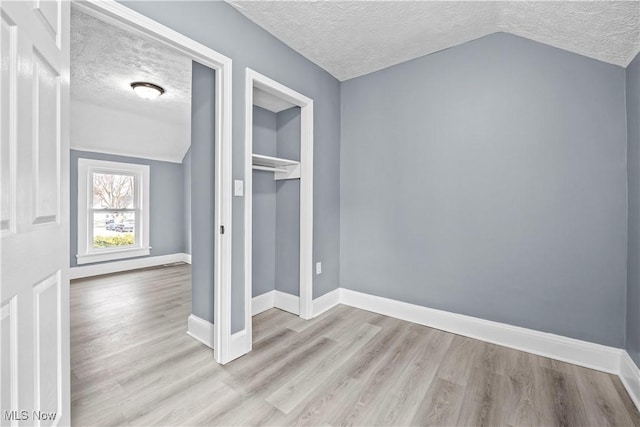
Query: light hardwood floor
[{"x": 133, "y": 364}]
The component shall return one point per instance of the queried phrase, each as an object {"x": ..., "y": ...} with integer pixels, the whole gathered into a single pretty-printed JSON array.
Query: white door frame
[
  {"x": 255, "y": 79},
  {"x": 119, "y": 15}
]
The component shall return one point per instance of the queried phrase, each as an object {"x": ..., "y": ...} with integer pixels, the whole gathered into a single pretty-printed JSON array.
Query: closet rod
[{"x": 265, "y": 168}]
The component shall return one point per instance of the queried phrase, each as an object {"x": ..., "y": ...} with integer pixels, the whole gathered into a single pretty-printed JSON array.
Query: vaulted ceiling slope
[
  {"x": 109, "y": 116},
  {"x": 353, "y": 38}
]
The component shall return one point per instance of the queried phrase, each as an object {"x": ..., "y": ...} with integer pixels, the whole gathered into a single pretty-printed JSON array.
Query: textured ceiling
[
  {"x": 105, "y": 60},
  {"x": 353, "y": 38}
]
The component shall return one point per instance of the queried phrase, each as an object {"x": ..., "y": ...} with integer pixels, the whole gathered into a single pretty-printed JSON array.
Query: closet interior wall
[{"x": 276, "y": 205}]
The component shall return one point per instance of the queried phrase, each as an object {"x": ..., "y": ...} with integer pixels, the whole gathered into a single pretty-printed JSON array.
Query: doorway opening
[
  {"x": 160, "y": 38},
  {"x": 279, "y": 174}
]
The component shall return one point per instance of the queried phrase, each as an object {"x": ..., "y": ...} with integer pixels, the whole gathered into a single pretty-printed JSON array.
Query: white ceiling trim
[{"x": 353, "y": 38}]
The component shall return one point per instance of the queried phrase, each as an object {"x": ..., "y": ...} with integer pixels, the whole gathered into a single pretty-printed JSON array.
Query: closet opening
[
  {"x": 279, "y": 200},
  {"x": 276, "y": 210}
]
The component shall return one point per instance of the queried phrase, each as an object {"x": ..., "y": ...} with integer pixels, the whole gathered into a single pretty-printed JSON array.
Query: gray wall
[
  {"x": 489, "y": 180},
  {"x": 202, "y": 189},
  {"x": 288, "y": 206},
  {"x": 218, "y": 26},
  {"x": 264, "y": 205},
  {"x": 276, "y": 205},
  {"x": 166, "y": 217},
  {"x": 633, "y": 177},
  {"x": 186, "y": 169}
]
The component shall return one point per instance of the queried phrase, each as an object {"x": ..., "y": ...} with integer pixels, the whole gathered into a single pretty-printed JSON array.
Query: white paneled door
[{"x": 34, "y": 245}]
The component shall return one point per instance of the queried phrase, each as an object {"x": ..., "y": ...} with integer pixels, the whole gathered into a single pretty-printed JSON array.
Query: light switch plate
[
  {"x": 318, "y": 268},
  {"x": 238, "y": 188}
]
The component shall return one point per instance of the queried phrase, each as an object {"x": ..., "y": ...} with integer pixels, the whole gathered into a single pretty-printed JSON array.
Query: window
[{"x": 113, "y": 210}]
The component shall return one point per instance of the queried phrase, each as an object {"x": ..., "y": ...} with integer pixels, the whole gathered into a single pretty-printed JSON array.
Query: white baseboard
[
  {"x": 291, "y": 303},
  {"x": 583, "y": 353},
  {"x": 286, "y": 302},
  {"x": 630, "y": 377},
  {"x": 275, "y": 299},
  {"x": 262, "y": 303},
  {"x": 201, "y": 330},
  {"x": 126, "y": 265},
  {"x": 326, "y": 302}
]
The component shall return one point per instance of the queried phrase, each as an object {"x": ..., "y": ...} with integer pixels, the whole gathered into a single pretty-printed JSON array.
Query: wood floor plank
[
  {"x": 324, "y": 402},
  {"x": 456, "y": 366},
  {"x": 440, "y": 405},
  {"x": 195, "y": 399},
  {"x": 280, "y": 372},
  {"x": 525, "y": 405},
  {"x": 376, "y": 350},
  {"x": 239, "y": 410},
  {"x": 563, "y": 398},
  {"x": 263, "y": 324},
  {"x": 596, "y": 392},
  {"x": 133, "y": 364},
  {"x": 360, "y": 407},
  {"x": 348, "y": 328},
  {"x": 303, "y": 384},
  {"x": 624, "y": 397},
  {"x": 485, "y": 391},
  {"x": 253, "y": 373},
  {"x": 409, "y": 389}
]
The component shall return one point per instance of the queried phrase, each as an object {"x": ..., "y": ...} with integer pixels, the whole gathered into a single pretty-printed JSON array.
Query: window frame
[{"x": 141, "y": 173}]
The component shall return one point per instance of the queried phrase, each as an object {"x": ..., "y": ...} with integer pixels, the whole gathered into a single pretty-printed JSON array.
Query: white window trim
[{"x": 86, "y": 253}]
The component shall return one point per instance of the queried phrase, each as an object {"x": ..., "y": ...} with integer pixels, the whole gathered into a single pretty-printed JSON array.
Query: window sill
[{"x": 112, "y": 255}]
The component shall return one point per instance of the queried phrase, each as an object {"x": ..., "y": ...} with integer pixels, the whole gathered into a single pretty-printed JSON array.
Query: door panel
[
  {"x": 8, "y": 361},
  {"x": 8, "y": 64},
  {"x": 48, "y": 12},
  {"x": 34, "y": 292},
  {"x": 46, "y": 108},
  {"x": 48, "y": 345}
]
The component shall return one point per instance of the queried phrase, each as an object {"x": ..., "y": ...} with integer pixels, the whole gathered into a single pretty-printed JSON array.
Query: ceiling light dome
[{"x": 147, "y": 90}]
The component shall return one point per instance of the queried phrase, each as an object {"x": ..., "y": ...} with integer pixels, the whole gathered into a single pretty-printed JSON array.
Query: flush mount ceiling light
[{"x": 147, "y": 90}]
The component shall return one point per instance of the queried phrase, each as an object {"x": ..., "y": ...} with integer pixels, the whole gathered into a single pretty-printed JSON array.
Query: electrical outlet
[{"x": 318, "y": 268}]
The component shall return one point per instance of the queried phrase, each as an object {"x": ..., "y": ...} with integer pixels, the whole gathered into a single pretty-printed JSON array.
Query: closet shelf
[
  {"x": 282, "y": 168},
  {"x": 273, "y": 162}
]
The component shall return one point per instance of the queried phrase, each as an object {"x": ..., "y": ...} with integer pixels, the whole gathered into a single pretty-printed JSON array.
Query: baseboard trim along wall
[
  {"x": 630, "y": 377},
  {"x": 262, "y": 303},
  {"x": 81, "y": 272},
  {"x": 286, "y": 302},
  {"x": 200, "y": 330},
  {"x": 275, "y": 299},
  {"x": 290, "y": 303},
  {"x": 326, "y": 302},
  {"x": 583, "y": 353},
  {"x": 590, "y": 355}
]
